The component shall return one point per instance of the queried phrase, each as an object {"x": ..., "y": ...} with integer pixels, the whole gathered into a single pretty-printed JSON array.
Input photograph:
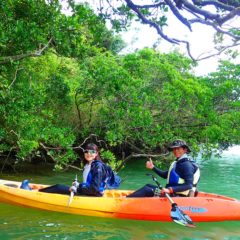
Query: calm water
[{"x": 218, "y": 175}]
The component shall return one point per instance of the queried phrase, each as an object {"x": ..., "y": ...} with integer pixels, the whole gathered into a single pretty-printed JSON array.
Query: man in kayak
[
  {"x": 182, "y": 175},
  {"x": 96, "y": 176}
]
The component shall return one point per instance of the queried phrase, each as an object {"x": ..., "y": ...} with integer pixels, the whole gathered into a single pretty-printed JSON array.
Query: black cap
[{"x": 179, "y": 143}]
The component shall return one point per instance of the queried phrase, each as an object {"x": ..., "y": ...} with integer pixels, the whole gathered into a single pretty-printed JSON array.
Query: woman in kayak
[
  {"x": 182, "y": 175},
  {"x": 94, "y": 176}
]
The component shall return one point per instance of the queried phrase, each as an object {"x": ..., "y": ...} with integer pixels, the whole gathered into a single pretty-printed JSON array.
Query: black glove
[{"x": 157, "y": 192}]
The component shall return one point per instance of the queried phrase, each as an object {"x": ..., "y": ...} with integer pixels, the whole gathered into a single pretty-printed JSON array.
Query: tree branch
[
  {"x": 217, "y": 4},
  {"x": 206, "y": 14},
  {"x": 217, "y": 53},
  {"x": 54, "y": 160},
  {"x": 178, "y": 15},
  {"x": 217, "y": 29},
  {"x": 35, "y": 53},
  {"x": 146, "y": 21},
  {"x": 15, "y": 77},
  {"x": 225, "y": 12},
  {"x": 136, "y": 155},
  {"x": 229, "y": 16},
  {"x": 148, "y": 6}
]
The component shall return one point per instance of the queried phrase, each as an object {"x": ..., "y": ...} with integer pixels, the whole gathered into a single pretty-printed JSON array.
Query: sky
[
  {"x": 141, "y": 36},
  {"x": 201, "y": 39}
]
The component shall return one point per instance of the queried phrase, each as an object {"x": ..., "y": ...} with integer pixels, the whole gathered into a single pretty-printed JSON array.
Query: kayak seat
[
  {"x": 11, "y": 185},
  {"x": 115, "y": 194},
  {"x": 35, "y": 187},
  {"x": 193, "y": 193}
]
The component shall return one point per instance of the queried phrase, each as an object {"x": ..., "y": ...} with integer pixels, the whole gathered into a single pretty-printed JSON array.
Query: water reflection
[
  {"x": 221, "y": 175},
  {"x": 35, "y": 224}
]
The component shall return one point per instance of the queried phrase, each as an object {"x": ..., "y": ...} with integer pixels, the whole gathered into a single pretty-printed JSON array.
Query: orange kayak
[{"x": 204, "y": 207}]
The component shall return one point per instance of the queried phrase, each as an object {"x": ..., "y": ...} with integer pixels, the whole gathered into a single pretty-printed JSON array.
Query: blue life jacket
[
  {"x": 174, "y": 179},
  {"x": 110, "y": 180},
  {"x": 96, "y": 167}
]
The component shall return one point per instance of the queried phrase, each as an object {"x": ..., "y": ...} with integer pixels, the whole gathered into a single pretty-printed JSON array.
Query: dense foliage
[{"x": 62, "y": 82}]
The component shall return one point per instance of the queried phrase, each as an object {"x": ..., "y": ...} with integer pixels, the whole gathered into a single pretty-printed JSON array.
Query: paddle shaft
[
  {"x": 177, "y": 215},
  {"x": 160, "y": 187},
  {"x": 70, "y": 198},
  {"x": 169, "y": 198},
  {"x": 73, "y": 190}
]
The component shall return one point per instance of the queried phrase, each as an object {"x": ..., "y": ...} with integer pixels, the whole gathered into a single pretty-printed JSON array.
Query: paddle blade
[
  {"x": 70, "y": 198},
  {"x": 179, "y": 217}
]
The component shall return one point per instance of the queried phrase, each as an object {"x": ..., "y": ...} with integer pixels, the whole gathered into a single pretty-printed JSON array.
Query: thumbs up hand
[{"x": 149, "y": 164}]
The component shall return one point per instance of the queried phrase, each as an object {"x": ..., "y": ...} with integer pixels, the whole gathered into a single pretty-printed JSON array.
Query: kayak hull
[{"x": 206, "y": 207}]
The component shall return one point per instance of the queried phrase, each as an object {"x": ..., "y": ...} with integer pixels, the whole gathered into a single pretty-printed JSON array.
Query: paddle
[
  {"x": 177, "y": 215},
  {"x": 73, "y": 190}
]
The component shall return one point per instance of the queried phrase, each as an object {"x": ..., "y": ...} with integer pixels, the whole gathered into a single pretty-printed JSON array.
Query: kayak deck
[
  {"x": 113, "y": 193},
  {"x": 114, "y": 204}
]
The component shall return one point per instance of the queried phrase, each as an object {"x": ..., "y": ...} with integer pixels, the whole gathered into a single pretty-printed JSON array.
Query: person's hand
[
  {"x": 161, "y": 192},
  {"x": 75, "y": 184},
  {"x": 73, "y": 189},
  {"x": 165, "y": 190},
  {"x": 149, "y": 164}
]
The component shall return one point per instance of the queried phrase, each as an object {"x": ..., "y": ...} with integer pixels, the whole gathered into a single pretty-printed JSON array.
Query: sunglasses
[{"x": 90, "y": 151}]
